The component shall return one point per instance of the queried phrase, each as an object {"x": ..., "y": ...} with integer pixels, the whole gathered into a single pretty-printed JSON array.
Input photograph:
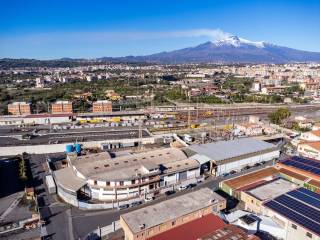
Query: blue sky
[{"x": 51, "y": 29}]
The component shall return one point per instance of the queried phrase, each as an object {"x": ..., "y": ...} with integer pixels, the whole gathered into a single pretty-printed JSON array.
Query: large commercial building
[
  {"x": 298, "y": 212},
  {"x": 62, "y": 107},
  {"x": 102, "y": 106},
  {"x": 225, "y": 156},
  {"x": 156, "y": 219},
  {"x": 133, "y": 176},
  {"x": 19, "y": 108}
]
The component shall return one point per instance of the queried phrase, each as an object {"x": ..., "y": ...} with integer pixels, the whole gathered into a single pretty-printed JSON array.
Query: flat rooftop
[
  {"x": 222, "y": 150},
  {"x": 101, "y": 167},
  {"x": 171, "y": 209},
  {"x": 66, "y": 178},
  {"x": 272, "y": 189}
]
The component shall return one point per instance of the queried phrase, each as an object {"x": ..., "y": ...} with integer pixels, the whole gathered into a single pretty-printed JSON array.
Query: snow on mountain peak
[{"x": 238, "y": 42}]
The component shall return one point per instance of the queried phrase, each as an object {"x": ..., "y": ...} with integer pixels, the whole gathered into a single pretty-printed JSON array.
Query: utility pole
[{"x": 189, "y": 117}]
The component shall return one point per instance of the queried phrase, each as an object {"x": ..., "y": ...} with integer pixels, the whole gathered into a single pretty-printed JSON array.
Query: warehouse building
[
  {"x": 134, "y": 176},
  {"x": 298, "y": 211},
  {"x": 235, "y": 186},
  {"x": 301, "y": 170},
  {"x": 254, "y": 197},
  {"x": 225, "y": 156},
  {"x": 153, "y": 220}
]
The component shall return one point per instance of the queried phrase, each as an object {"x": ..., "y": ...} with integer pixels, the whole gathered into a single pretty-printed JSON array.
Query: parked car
[
  {"x": 225, "y": 174},
  {"x": 191, "y": 185},
  {"x": 233, "y": 172},
  {"x": 134, "y": 204},
  {"x": 124, "y": 206},
  {"x": 263, "y": 162},
  {"x": 182, "y": 187},
  {"x": 170, "y": 192},
  {"x": 148, "y": 199},
  {"x": 245, "y": 168},
  {"x": 257, "y": 164}
]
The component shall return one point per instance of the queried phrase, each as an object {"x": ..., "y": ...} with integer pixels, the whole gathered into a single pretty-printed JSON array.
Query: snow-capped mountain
[
  {"x": 238, "y": 42},
  {"x": 229, "y": 50}
]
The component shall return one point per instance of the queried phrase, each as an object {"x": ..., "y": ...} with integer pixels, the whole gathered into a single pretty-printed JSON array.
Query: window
[
  {"x": 294, "y": 226},
  {"x": 309, "y": 235},
  {"x": 95, "y": 182},
  {"x": 108, "y": 183},
  {"x": 133, "y": 181},
  {"x": 173, "y": 223},
  {"x": 121, "y": 183}
]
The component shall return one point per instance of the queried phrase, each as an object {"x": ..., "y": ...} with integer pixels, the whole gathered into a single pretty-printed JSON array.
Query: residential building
[
  {"x": 62, "y": 107},
  {"x": 311, "y": 136},
  {"x": 171, "y": 214},
  {"x": 19, "y": 108},
  {"x": 309, "y": 149},
  {"x": 102, "y": 106}
]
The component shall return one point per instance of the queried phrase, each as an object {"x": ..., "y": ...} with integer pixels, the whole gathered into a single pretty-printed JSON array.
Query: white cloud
[{"x": 98, "y": 36}]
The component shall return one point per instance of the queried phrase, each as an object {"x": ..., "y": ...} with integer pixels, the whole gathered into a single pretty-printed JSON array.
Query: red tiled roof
[
  {"x": 192, "y": 230},
  {"x": 293, "y": 174},
  {"x": 251, "y": 185}
]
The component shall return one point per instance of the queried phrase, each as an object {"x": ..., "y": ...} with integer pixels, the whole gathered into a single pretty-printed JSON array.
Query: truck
[{"x": 51, "y": 184}]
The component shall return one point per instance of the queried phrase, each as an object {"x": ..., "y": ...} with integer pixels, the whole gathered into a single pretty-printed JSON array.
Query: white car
[
  {"x": 148, "y": 199},
  {"x": 182, "y": 187}
]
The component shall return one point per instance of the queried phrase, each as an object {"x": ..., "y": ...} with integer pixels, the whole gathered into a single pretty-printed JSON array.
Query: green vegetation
[
  {"x": 241, "y": 85},
  {"x": 295, "y": 126},
  {"x": 279, "y": 115},
  {"x": 207, "y": 99},
  {"x": 23, "y": 168}
]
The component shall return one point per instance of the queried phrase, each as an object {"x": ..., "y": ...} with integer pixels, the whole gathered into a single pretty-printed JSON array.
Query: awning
[{"x": 67, "y": 179}]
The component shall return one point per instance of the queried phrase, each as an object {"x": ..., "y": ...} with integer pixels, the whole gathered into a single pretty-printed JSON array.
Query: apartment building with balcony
[
  {"x": 102, "y": 106},
  {"x": 62, "y": 107},
  {"x": 19, "y": 108}
]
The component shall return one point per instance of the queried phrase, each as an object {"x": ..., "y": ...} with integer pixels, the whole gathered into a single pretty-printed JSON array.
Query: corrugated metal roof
[
  {"x": 201, "y": 159},
  {"x": 222, "y": 150}
]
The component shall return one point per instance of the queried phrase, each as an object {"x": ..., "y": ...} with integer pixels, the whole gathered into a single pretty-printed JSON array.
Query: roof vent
[{"x": 142, "y": 226}]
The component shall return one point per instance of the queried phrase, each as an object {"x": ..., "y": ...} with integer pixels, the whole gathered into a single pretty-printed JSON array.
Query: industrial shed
[{"x": 225, "y": 156}]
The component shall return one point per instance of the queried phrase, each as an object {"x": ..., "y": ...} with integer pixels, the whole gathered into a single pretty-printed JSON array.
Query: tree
[{"x": 279, "y": 115}]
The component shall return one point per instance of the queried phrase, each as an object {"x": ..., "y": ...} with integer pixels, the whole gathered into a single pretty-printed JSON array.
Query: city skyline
[{"x": 55, "y": 30}]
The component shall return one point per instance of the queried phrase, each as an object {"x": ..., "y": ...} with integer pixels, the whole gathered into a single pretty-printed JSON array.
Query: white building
[
  {"x": 225, "y": 156},
  {"x": 102, "y": 178}
]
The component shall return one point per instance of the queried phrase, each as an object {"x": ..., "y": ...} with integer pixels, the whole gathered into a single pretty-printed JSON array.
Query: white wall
[
  {"x": 54, "y": 148},
  {"x": 225, "y": 168}
]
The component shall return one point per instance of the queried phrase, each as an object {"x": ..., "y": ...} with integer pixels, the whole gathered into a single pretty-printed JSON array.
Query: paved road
[
  {"x": 73, "y": 137},
  {"x": 53, "y": 212}
]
